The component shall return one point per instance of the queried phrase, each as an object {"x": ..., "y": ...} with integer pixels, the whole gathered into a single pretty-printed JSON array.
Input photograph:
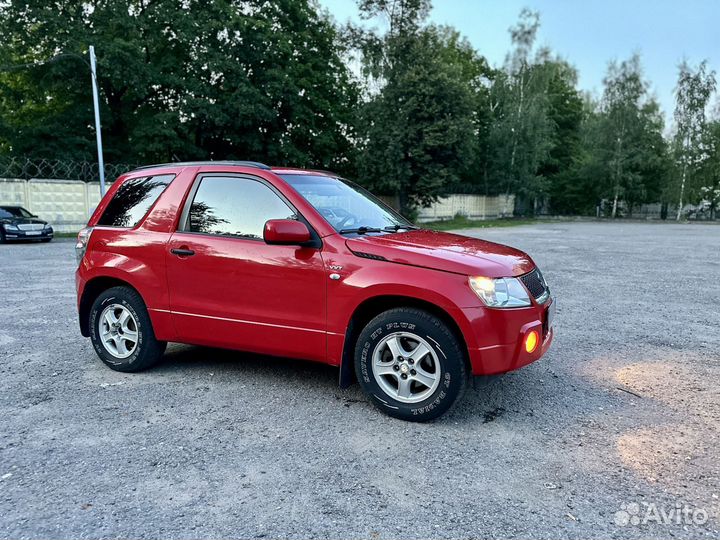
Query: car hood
[
  {"x": 22, "y": 221},
  {"x": 446, "y": 252}
]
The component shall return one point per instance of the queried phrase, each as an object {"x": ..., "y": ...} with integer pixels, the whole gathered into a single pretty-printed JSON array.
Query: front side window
[
  {"x": 346, "y": 206},
  {"x": 238, "y": 207},
  {"x": 133, "y": 199},
  {"x": 14, "y": 211}
]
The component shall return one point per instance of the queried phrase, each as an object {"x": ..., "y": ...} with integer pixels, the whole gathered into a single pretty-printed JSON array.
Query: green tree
[
  {"x": 709, "y": 170},
  {"x": 566, "y": 113},
  {"x": 628, "y": 119},
  {"x": 621, "y": 154},
  {"x": 179, "y": 79},
  {"x": 521, "y": 127},
  {"x": 692, "y": 95},
  {"x": 417, "y": 128},
  {"x": 270, "y": 84},
  {"x": 576, "y": 189}
]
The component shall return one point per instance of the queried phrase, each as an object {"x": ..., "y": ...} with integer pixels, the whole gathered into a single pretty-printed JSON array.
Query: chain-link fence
[{"x": 25, "y": 169}]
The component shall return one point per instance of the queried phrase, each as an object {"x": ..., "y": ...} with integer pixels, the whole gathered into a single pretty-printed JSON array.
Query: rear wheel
[
  {"x": 121, "y": 331},
  {"x": 410, "y": 364}
]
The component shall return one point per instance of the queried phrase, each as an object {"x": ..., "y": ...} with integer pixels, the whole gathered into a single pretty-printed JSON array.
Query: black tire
[
  {"x": 147, "y": 350},
  {"x": 46, "y": 239},
  {"x": 447, "y": 351},
  {"x": 2, "y": 236}
]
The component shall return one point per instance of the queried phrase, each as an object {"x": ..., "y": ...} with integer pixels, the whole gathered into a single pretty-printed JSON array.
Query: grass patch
[
  {"x": 65, "y": 234},
  {"x": 460, "y": 222}
]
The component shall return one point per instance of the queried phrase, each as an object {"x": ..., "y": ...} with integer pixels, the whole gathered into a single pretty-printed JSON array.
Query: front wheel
[
  {"x": 410, "y": 364},
  {"x": 121, "y": 331}
]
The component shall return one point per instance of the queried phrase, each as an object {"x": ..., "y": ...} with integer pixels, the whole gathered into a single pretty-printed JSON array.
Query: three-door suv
[{"x": 303, "y": 264}]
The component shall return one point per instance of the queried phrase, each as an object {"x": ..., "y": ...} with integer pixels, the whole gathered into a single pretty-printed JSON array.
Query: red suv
[{"x": 303, "y": 264}]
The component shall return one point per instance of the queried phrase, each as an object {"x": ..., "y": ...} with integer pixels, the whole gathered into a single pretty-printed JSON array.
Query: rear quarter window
[{"x": 133, "y": 199}]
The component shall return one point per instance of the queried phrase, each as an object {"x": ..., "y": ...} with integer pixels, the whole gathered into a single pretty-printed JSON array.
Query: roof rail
[{"x": 254, "y": 164}]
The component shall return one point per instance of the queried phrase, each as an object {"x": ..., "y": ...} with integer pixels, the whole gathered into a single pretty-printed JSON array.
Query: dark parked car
[{"x": 16, "y": 223}]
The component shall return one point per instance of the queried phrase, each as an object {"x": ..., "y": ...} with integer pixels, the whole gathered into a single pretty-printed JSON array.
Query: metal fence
[
  {"x": 66, "y": 192},
  {"x": 85, "y": 171},
  {"x": 66, "y": 204}
]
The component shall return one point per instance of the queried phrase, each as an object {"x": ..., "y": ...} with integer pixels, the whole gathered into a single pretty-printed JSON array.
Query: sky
[{"x": 589, "y": 33}]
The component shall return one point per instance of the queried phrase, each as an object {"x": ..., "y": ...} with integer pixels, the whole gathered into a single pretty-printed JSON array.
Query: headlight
[
  {"x": 500, "y": 292},
  {"x": 10, "y": 227}
]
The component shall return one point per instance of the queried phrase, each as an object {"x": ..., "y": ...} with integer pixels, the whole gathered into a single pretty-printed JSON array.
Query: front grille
[
  {"x": 535, "y": 283},
  {"x": 31, "y": 226}
]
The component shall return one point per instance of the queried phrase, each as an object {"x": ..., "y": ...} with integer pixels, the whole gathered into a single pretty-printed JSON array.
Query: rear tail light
[{"x": 82, "y": 243}]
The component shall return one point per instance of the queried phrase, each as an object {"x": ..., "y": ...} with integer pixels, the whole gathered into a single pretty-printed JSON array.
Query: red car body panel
[
  {"x": 446, "y": 252},
  {"x": 279, "y": 300},
  {"x": 248, "y": 295}
]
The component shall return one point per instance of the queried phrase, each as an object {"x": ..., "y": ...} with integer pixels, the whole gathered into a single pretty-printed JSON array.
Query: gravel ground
[{"x": 621, "y": 417}]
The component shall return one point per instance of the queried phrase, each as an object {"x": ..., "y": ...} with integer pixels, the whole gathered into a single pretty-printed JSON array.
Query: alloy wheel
[
  {"x": 405, "y": 367},
  {"x": 118, "y": 331}
]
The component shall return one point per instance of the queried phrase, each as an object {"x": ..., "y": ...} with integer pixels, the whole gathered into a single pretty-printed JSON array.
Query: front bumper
[
  {"x": 29, "y": 235},
  {"x": 501, "y": 334}
]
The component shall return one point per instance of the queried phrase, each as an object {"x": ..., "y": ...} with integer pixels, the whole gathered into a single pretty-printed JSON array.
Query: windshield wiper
[
  {"x": 360, "y": 230},
  {"x": 398, "y": 227}
]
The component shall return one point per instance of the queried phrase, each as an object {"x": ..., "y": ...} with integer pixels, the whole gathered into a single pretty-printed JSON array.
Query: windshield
[
  {"x": 14, "y": 211},
  {"x": 346, "y": 206}
]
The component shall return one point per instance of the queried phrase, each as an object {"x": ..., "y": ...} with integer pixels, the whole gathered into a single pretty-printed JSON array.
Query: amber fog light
[{"x": 531, "y": 341}]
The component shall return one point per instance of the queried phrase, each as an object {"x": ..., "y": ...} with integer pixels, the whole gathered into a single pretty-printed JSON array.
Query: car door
[{"x": 228, "y": 288}]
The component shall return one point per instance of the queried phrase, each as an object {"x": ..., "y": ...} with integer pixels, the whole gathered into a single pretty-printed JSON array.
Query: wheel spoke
[
  {"x": 385, "y": 368},
  {"x": 120, "y": 344},
  {"x": 404, "y": 388},
  {"x": 419, "y": 352},
  {"x": 395, "y": 347},
  {"x": 423, "y": 377},
  {"x": 126, "y": 328},
  {"x": 132, "y": 337},
  {"x": 123, "y": 319},
  {"x": 110, "y": 318}
]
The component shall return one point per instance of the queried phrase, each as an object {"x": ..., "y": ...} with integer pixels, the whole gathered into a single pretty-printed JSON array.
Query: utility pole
[{"x": 98, "y": 134}]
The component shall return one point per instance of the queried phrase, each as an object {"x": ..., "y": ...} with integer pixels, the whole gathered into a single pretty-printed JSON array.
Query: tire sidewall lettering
[
  {"x": 444, "y": 393},
  {"x": 95, "y": 313}
]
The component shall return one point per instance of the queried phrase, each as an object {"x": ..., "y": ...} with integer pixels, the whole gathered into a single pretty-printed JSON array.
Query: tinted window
[
  {"x": 17, "y": 211},
  {"x": 4, "y": 214},
  {"x": 235, "y": 207},
  {"x": 133, "y": 199}
]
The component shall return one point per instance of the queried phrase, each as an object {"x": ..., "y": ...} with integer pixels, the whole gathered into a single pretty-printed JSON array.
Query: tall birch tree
[{"x": 693, "y": 91}]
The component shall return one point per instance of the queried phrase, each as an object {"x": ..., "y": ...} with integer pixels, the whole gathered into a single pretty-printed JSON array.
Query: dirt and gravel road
[{"x": 615, "y": 433}]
